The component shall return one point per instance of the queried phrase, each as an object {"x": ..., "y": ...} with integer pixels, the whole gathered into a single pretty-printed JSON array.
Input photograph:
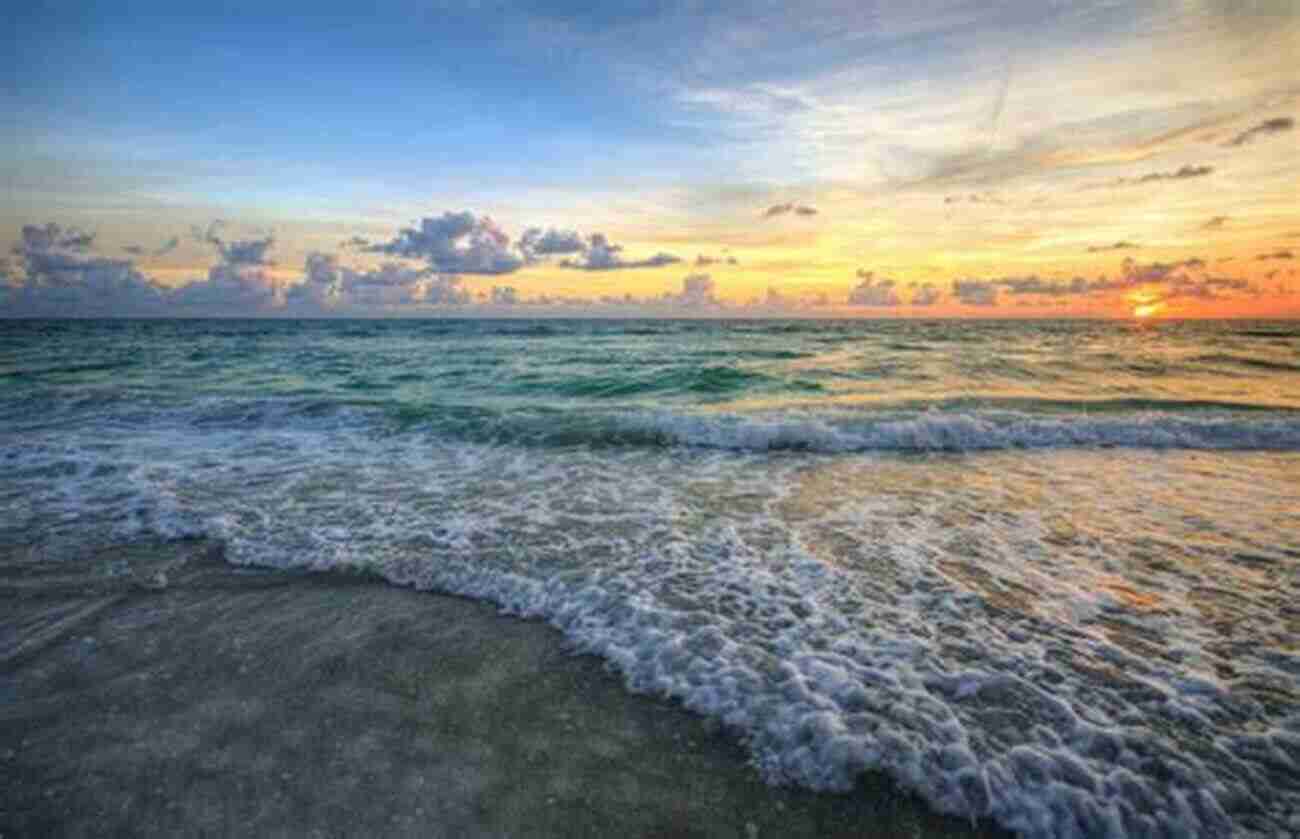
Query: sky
[{"x": 878, "y": 159}]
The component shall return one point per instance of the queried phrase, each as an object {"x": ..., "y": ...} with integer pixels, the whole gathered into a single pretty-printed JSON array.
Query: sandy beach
[{"x": 154, "y": 690}]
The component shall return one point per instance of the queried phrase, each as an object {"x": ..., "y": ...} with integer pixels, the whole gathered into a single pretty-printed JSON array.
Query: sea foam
[{"x": 1029, "y": 637}]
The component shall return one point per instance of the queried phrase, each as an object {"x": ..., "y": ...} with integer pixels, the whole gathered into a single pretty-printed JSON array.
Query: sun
[{"x": 1147, "y": 310}]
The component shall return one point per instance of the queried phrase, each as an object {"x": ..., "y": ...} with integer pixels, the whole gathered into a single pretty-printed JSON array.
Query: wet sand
[{"x": 154, "y": 690}]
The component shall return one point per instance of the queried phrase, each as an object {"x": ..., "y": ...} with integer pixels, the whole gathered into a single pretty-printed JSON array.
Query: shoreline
[{"x": 154, "y": 689}]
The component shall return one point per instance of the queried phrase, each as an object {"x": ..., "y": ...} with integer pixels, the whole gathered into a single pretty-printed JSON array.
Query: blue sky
[{"x": 669, "y": 127}]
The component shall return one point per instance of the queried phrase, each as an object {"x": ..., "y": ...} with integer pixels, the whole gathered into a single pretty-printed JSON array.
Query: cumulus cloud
[
  {"x": 600, "y": 254},
  {"x": 871, "y": 291},
  {"x": 454, "y": 243},
  {"x": 240, "y": 251},
  {"x": 698, "y": 290},
  {"x": 1275, "y": 125},
  {"x": 231, "y": 288},
  {"x": 57, "y": 279},
  {"x": 1117, "y": 246},
  {"x": 1170, "y": 280},
  {"x": 1207, "y": 288},
  {"x": 328, "y": 286},
  {"x": 540, "y": 243},
  {"x": 926, "y": 294},
  {"x": 973, "y": 292},
  {"x": 504, "y": 295},
  {"x": 322, "y": 283},
  {"x": 788, "y": 208},
  {"x": 53, "y": 237},
  {"x": 239, "y": 282}
]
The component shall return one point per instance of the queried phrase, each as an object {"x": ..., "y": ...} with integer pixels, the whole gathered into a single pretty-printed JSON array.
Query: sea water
[{"x": 1042, "y": 572}]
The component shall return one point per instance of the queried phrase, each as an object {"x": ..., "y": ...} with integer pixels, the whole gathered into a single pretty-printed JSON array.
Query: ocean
[{"x": 1044, "y": 573}]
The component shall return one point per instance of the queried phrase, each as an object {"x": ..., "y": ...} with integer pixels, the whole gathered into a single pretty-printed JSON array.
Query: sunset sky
[{"x": 913, "y": 159}]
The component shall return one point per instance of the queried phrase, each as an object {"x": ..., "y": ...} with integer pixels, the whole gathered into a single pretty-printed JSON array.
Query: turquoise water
[{"x": 1043, "y": 572}]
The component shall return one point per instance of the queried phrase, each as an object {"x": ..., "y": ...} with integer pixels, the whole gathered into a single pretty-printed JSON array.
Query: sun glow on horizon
[{"x": 1142, "y": 311}]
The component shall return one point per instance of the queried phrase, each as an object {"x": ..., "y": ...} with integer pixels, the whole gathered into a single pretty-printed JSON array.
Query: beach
[
  {"x": 1037, "y": 574},
  {"x": 213, "y": 700}
]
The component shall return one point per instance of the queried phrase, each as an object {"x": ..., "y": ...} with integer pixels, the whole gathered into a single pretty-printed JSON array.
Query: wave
[
  {"x": 964, "y": 432},
  {"x": 956, "y": 425},
  {"x": 1247, "y": 361},
  {"x": 705, "y": 380},
  {"x": 864, "y": 638}
]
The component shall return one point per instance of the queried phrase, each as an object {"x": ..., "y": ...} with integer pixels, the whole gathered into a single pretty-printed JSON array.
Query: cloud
[
  {"x": 162, "y": 250},
  {"x": 873, "y": 292},
  {"x": 702, "y": 261},
  {"x": 51, "y": 236},
  {"x": 539, "y": 243},
  {"x": 239, "y": 282},
  {"x": 1186, "y": 278},
  {"x": 504, "y": 295},
  {"x": 1215, "y": 223},
  {"x": 240, "y": 251},
  {"x": 789, "y": 207},
  {"x": 697, "y": 291},
  {"x": 603, "y": 255},
  {"x": 462, "y": 243},
  {"x": 1034, "y": 284},
  {"x": 327, "y": 286},
  {"x": 1280, "y": 254},
  {"x": 454, "y": 243},
  {"x": 1134, "y": 273},
  {"x": 974, "y": 292},
  {"x": 926, "y": 294},
  {"x": 1180, "y": 174},
  {"x": 973, "y": 198},
  {"x": 231, "y": 288},
  {"x": 1275, "y": 125},
  {"x": 1206, "y": 288},
  {"x": 358, "y": 242},
  {"x": 1118, "y": 246},
  {"x": 58, "y": 280},
  {"x": 1168, "y": 280},
  {"x": 322, "y": 283}
]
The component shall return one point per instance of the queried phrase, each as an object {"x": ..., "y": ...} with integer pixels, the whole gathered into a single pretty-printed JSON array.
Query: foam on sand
[{"x": 996, "y": 632}]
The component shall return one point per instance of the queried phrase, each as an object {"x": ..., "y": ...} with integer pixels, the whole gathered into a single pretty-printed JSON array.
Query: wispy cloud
[
  {"x": 1182, "y": 173},
  {"x": 788, "y": 208},
  {"x": 1269, "y": 126},
  {"x": 1117, "y": 246},
  {"x": 162, "y": 250}
]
